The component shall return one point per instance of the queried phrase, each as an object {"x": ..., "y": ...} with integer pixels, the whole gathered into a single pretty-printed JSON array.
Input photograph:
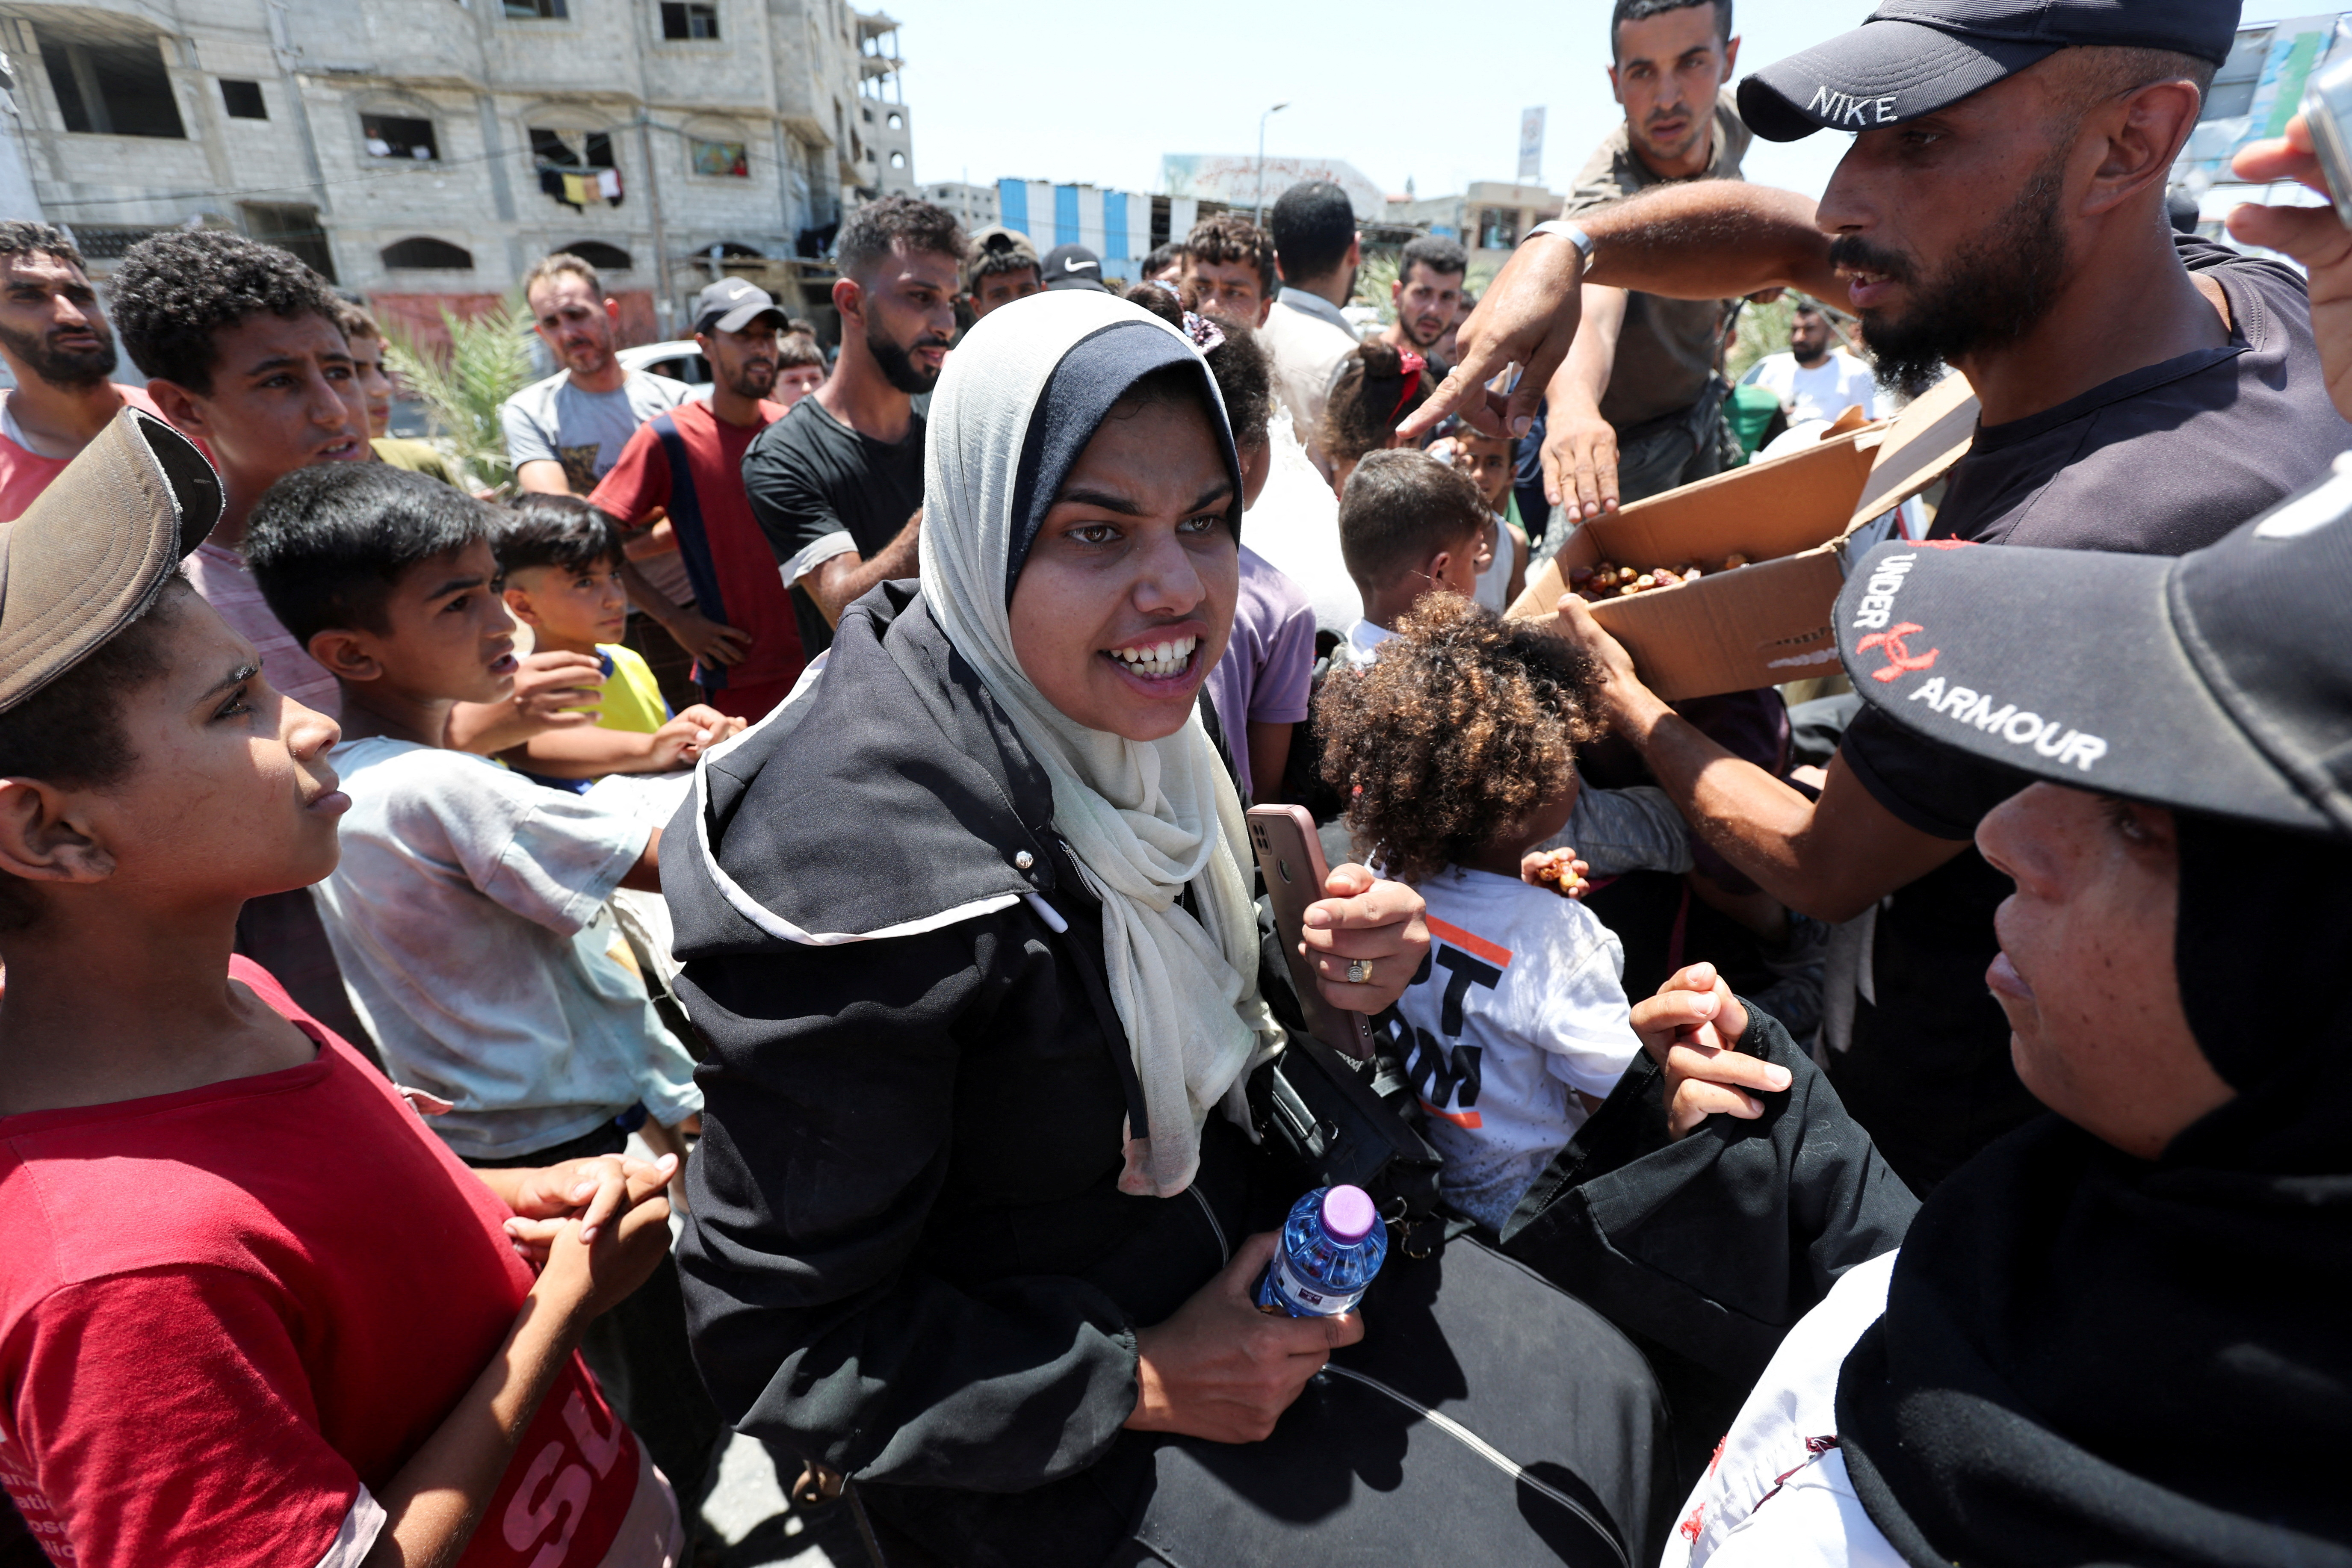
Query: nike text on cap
[
  {"x": 1915, "y": 56},
  {"x": 94, "y": 550},
  {"x": 2220, "y": 682},
  {"x": 1073, "y": 267},
  {"x": 732, "y": 304}
]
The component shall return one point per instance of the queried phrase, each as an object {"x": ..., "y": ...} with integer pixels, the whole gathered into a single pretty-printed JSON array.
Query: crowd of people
[{"x": 752, "y": 927}]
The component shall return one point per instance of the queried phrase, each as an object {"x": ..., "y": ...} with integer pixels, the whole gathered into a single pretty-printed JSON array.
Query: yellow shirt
[
  {"x": 633, "y": 699},
  {"x": 418, "y": 456}
]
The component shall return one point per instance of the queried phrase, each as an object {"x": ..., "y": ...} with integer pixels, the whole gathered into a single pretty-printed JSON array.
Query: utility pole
[
  {"x": 1260, "y": 219},
  {"x": 663, "y": 307}
]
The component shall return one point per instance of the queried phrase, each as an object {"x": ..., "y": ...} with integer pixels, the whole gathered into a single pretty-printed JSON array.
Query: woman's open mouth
[{"x": 1160, "y": 664}]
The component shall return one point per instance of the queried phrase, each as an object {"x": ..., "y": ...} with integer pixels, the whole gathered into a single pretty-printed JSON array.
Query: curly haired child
[{"x": 1456, "y": 753}]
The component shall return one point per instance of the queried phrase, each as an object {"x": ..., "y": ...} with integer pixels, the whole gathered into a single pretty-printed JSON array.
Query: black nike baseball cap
[
  {"x": 1072, "y": 267},
  {"x": 2220, "y": 682},
  {"x": 1915, "y": 56}
]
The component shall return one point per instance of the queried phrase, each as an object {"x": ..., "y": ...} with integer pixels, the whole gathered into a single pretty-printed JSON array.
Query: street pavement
[{"x": 755, "y": 1521}]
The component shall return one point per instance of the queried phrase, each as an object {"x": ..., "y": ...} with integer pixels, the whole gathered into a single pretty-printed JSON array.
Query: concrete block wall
[{"x": 774, "y": 80}]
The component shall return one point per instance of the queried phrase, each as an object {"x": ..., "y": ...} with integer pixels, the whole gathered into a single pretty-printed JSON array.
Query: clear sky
[{"x": 1040, "y": 91}]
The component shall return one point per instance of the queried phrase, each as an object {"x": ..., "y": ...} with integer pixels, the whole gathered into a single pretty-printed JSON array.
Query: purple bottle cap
[{"x": 1348, "y": 1215}]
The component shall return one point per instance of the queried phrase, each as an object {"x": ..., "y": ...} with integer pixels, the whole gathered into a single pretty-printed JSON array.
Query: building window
[
  {"x": 722, "y": 160},
  {"x": 111, "y": 242},
  {"x": 423, "y": 254},
  {"x": 576, "y": 167},
  {"x": 536, "y": 11},
  {"x": 393, "y": 136},
  {"x": 898, "y": 160},
  {"x": 689, "y": 19},
  {"x": 291, "y": 228},
  {"x": 897, "y": 122},
  {"x": 111, "y": 89},
  {"x": 603, "y": 258},
  {"x": 243, "y": 99},
  {"x": 1498, "y": 229}
]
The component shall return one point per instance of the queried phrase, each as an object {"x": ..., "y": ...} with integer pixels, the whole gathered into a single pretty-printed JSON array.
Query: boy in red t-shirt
[
  {"x": 689, "y": 463},
  {"x": 253, "y": 1311}
]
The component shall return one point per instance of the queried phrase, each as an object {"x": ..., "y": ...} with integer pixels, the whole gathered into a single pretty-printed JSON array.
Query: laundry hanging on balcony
[{"x": 576, "y": 167}]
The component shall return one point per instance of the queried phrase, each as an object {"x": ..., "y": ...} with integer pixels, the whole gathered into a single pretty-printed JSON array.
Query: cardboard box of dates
[{"x": 1767, "y": 543}]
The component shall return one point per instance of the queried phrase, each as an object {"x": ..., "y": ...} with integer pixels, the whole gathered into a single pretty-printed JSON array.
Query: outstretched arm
[
  {"x": 1710, "y": 241},
  {"x": 2315, "y": 237},
  {"x": 1831, "y": 859},
  {"x": 1579, "y": 448}
]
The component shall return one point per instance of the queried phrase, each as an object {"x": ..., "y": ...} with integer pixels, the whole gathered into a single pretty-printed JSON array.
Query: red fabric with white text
[
  {"x": 226, "y": 1310},
  {"x": 24, "y": 473}
]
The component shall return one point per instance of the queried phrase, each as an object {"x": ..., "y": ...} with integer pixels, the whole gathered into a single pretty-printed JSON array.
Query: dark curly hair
[
  {"x": 1230, "y": 239},
  {"x": 1244, "y": 372},
  {"x": 1462, "y": 728},
  {"x": 1368, "y": 399},
  {"x": 881, "y": 228},
  {"x": 174, "y": 291},
  {"x": 22, "y": 236}
]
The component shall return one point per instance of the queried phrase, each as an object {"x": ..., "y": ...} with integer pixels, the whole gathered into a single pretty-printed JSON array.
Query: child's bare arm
[
  {"x": 645, "y": 877},
  {"x": 592, "y": 753},
  {"x": 434, "y": 1503}
]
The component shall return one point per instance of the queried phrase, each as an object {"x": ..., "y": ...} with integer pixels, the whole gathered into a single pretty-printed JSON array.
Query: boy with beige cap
[{"x": 215, "y": 1214}]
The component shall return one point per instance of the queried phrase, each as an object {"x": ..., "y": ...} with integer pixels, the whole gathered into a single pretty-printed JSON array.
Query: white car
[{"x": 678, "y": 359}]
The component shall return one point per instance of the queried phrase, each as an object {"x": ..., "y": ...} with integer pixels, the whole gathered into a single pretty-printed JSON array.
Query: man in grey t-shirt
[{"x": 563, "y": 433}]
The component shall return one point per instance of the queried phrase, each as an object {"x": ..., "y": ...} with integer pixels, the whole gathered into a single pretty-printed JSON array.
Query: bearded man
[
  {"x": 58, "y": 349},
  {"x": 838, "y": 484},
  {"x": 2002, "y": 211}
]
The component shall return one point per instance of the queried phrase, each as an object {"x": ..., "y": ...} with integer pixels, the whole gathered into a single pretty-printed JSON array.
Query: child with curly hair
[{"x": 1456, "y": 753}]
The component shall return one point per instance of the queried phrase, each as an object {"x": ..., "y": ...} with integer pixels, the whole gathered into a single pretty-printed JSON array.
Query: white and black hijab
[{"x": 1021, "y": 398}]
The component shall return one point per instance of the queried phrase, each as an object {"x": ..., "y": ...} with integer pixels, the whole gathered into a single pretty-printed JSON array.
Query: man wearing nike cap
[
  {"x": 2000, "y": 210},
  {"x": 1074, "y": 266}
]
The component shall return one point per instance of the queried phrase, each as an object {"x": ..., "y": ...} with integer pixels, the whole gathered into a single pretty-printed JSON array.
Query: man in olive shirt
[{"x": 1636, "y": 409}]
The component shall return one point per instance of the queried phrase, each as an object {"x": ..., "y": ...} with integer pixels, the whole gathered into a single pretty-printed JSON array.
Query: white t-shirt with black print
[{"x": 1522, "y": 1001}]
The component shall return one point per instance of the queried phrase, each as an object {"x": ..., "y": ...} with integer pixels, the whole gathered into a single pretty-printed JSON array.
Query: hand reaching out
[
  {"x": 586, "y": 1193},
  {"x": 2314, "y": 236},
  {"x": 1554, "y": 870},
  {"x": 558, "y": 690},
  {"x": 681, "y": 741},
  {"x": 551, "y": 691},
  {"x": 1580, "y": 463},
  {"x": 1692, "y": 1028},
  {"x": 1527, "y": 316},
  {"x": 707, "y": 639}
]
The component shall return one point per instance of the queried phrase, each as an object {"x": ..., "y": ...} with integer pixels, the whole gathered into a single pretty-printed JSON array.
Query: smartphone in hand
[{"x": 1290, "y": 858}]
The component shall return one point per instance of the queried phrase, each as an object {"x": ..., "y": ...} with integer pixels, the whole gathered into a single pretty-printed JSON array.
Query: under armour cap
[
  {"x": 2219, "y": 681},
  {"x": 94, "y": 550},
  {"x": 734, "y": 303},
  {"x": 1072, "y": 267},
  {"x": 1915, "y": 56}
]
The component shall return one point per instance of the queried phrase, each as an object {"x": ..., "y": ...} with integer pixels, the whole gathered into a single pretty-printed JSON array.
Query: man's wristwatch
[{"x": 1568, "y": 232}]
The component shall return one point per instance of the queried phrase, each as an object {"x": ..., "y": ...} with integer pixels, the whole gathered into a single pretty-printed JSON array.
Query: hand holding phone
[{"x": 1290, "y": 858}]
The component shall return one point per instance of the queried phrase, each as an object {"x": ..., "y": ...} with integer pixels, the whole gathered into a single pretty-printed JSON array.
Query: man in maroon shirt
[{"x": 689, "y": 462}]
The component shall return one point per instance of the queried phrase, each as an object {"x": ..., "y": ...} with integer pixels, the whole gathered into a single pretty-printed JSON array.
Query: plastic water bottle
[{"x": 1332, "y": 1245}]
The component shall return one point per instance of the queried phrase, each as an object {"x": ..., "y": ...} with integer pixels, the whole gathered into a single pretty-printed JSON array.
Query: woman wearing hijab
[
  {"x": 2118, "y": 1334},
  {"x": 969, "y": 926}
]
